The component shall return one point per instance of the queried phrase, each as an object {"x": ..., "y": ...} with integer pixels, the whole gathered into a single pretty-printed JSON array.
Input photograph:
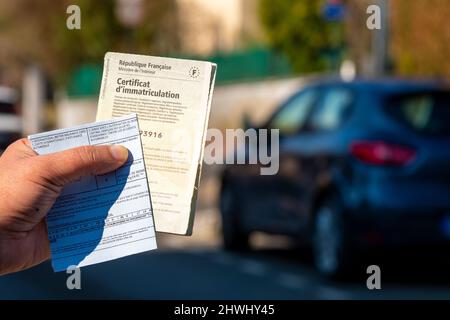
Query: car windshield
[{"x": 424, "y": 112}]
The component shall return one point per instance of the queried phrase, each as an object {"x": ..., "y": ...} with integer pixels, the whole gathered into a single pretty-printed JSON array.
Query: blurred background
[{"x": 271, "y": 54}]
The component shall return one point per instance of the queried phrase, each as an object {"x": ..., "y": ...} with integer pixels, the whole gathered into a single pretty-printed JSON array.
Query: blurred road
[
  {"x": 196, "y": 268},
  {"x": 214, "y": 274}
]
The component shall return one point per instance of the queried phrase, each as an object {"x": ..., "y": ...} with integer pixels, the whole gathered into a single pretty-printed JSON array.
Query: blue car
[{"x": 362, "y": 164}]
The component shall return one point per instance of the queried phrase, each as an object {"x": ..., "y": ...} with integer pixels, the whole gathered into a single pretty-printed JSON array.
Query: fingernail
[{"x": 119, "y": 153}]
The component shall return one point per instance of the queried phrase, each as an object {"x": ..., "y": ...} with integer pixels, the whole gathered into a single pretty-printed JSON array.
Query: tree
[
  {"x": 420, "y": 37},
  {"x": 35, "y": 31},
  {"x": 298, "y": 29}
]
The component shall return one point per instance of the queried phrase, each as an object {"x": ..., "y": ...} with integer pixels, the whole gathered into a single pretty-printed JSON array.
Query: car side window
[
  {"x": 333, "y": 109},
  {"x": 292, "y": 117}
]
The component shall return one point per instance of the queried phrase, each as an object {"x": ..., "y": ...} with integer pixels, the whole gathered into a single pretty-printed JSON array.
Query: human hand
[{"x": 29, "y": 186}]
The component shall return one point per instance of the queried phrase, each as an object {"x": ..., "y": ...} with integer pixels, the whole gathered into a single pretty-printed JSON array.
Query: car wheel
[
  {"x": 330, "y": 246},
  {"x": 234, "y": 238}
]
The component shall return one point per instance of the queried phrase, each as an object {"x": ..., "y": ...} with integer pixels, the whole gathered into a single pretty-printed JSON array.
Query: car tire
[
  {"x": 234, "y": 238},
  {"x": 331, "y": 248}
]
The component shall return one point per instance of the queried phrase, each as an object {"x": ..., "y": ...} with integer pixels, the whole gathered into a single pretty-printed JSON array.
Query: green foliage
[
  {"x": 88, "y": 45},
  {"x": 297, "y": 28},
  {"x": 101, "y": 32},
  {"x": 35, "y": 31}
]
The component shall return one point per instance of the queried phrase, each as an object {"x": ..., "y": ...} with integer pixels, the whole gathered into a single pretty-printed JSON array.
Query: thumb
[{"x": 70, "y": 165}]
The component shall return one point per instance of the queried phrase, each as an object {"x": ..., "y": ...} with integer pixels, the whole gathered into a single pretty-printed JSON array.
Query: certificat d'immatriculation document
[
  {"x": 172, "y": 98},
  {"x": 105, "y": 217}
]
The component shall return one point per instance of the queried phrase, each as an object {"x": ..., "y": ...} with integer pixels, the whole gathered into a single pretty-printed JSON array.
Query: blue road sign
[{"x": 333, "y": 11}]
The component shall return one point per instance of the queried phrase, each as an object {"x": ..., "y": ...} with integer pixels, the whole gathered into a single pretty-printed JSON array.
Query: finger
[
  {"x": 19, "y": 149},
  {"x": 70, "y": 165}
]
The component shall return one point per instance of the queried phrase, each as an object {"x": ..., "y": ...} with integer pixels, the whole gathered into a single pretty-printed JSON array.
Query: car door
[
  {"x": 275, "y": 197},
  {"x": 320, "y": 145}
]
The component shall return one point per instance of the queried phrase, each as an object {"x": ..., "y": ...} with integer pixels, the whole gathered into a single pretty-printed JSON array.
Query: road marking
[
  {"x": 330, "y": 293},
  {"x": 197, "y": 251},
  {"x": 223, "y": 258},
  {"x": 290, "y": 280},
  {"x": 285, "y": 279},
  {"x": 253, "y": 267}
]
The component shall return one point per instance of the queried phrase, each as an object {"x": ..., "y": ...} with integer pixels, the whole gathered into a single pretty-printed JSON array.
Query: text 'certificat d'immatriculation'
[{"x": 104, "y": 217}]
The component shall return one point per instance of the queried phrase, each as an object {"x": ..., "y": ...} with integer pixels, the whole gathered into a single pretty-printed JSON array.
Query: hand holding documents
[{"x": 100, "y": 218}]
